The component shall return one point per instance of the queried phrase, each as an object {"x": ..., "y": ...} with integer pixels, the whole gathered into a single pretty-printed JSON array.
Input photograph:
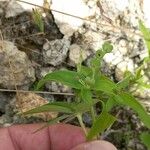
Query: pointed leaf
[
  {"x": 86, "y": 71},
  {"x": 66, "y": 77},
  {"x": 102, "y": 122},
  {"x": 51, "y": 107},
  {"x": 110, "y": 104},
  {"x": 130, "y": 101},
  {"x": 146, "y": 34},
  {"x": 144, "y": 30},
  {"x": 86, "y": 95},
  {"x": 145, "y": 138},
  {"x": 125, "y": 82},
  {"x": 104, "y": 84}
]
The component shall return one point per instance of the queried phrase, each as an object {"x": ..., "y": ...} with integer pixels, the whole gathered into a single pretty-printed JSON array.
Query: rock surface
[
  {"x": 15, "y": 67},
  {"x": 55, "y": 52},
  {"x": 28, "y": 101},
  {"x": 4, "y": 100}
]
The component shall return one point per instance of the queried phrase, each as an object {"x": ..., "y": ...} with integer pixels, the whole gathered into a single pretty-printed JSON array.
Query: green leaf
[
  {"x": 104, "y": 84},
  {"x": 146, "y": 35},
  {"x": 144, "y": 30},
  {"x": 143, "y": 84},
  {"x": 107, "y": 47},
  {"x": 62, "y": 107},
  {"x": 83, "y": 106},
  {"x": 125, "y": 82},
  {"x": 86, "y": 95},
  {"x": 102, "y": 122},
  {"x": 138, "y": 73},
  {"x": 129, "y": 100},
  {"x": 66, "y": 77},
  {"x": 110, "y": 104},
  {"x": 145, "y": 138},
  {"x": 86, "y": 71},
  {"x": 51, "y": 107}
]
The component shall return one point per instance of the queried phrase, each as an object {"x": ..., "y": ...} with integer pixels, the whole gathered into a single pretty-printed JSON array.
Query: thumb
[{"x": 95, "y": 145}]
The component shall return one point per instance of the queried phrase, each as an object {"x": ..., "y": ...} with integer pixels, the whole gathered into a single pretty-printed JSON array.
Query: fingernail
[{"x": 95, "y": 145}]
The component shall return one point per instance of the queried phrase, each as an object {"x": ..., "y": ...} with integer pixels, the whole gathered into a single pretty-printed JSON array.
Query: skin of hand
[{"x": 55, "y": 137}]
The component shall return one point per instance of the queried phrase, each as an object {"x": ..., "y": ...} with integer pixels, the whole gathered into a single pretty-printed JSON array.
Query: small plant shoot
[{"x": 37, "y": 19}]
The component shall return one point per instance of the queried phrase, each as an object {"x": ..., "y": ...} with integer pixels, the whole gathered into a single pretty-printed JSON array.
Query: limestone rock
[
  {"x": 15, "y": 67},
  {"x": 55, "y": 52},
  {"x": 68, "y": 24},
  {"x": 28, "y": 101},
  {"x": 13, "y": 9}
]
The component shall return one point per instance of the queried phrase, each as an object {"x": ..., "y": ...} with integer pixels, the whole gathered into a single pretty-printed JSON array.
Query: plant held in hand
[{"x": 90, "y": 87}]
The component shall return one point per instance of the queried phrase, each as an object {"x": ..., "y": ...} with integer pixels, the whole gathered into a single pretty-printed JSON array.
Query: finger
[
  {"x": 55, "y": 137},
  {"x": 5, "y": 140},
  {"x": 95, "y": 145},
  {"x": 66, "y": 137}
]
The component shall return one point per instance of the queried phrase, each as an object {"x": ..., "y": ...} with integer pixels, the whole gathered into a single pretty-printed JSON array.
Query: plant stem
[
  {"x": 79, "y": 116},
  {"x": 93, "y": 114}
]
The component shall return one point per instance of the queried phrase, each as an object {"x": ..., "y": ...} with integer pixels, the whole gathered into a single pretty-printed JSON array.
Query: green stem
[
  {"x": 79, "y": 116},
  {"x": 93, "y": 114}
]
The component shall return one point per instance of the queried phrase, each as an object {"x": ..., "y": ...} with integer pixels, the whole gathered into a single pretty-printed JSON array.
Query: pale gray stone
[
  {"x": 13, "y": 9},
  {"x": 55, "y": 52},
  {"x": 15, "y": 67}
]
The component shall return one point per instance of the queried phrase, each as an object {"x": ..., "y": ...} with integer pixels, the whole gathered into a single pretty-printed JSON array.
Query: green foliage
[
  {"x": 102, "y": 83},
  {"x": 66, "y": 77},
  {"x": 128, "y": 100},
  {"x": 126, "y": 81},
  {"x": 146, "y": 34},
  {"x": 145, "y": 138},
  {"x": 111, "y": 102},
  {"x": 37, "y": 18},
  {"x": 102, "y": 122},
  {"x": 92, "y": 87},
  {"x": 107, "y": 47},
  {"x": 53, "y": 107}
]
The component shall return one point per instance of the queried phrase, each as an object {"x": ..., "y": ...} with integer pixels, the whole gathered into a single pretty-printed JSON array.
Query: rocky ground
[{"x": 26, "y": 55}]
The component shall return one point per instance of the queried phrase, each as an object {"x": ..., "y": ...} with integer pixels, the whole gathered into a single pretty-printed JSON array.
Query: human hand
[{"x": 55, "y": 137}]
